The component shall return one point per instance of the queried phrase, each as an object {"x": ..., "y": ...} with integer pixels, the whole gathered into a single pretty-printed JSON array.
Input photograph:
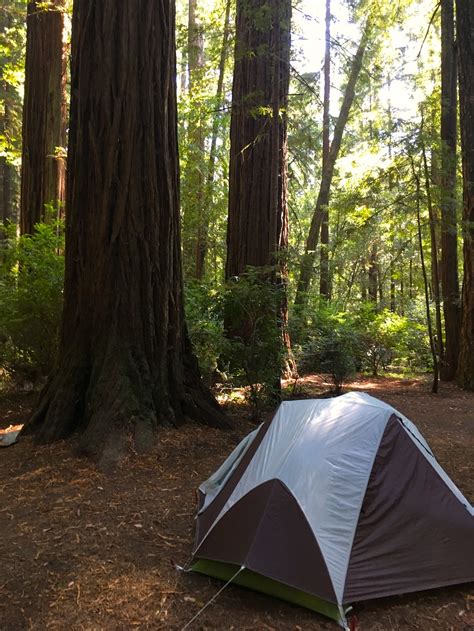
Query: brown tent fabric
[
  {"x": 268, "y": 533},
  {"x": 413, "y": 533},
  {"x": 207, "y": 518}
]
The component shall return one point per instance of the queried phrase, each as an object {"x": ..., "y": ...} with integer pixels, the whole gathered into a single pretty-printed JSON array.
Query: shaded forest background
[{"x": 326, "y": 223}]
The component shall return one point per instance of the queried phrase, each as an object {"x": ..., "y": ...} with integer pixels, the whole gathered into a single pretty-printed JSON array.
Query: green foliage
[
  {"x": 390, "y": 339},
  {"x": 336, "y": 342},
  {"x": 31, "y": 296},
  {"x": 328, "y": 343},
  {"x": 204, "y": 316},
  {"x": 255, "y": 353}
]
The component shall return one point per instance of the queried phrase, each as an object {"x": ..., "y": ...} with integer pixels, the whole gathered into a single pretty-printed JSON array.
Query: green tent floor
[{"x": 259, "y": 583}]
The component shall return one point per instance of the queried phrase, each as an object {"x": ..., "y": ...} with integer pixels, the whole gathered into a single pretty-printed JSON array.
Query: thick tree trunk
[
  {"x": 449, "y": 237},
  {"x": 307, "y": 262},
  {"x": 465, "y": 42},
  {"x": 324, "y": 277},
  {"x": 257, "y": 231},
  {"x": 44, "y": 114},
  {"x": 125, "y": 362},
  {"x": 203, "y": 228}
]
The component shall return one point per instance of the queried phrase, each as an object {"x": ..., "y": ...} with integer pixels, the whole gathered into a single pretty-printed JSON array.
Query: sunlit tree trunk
[
  {"x": 125, "y": 362},
  {"x": 257, "y": 232},
  {"x": 465, "y": 43},
  {"x": 449, "y": 239},
  {"x": 203, "y": 228},
  {"x": 44, "y": 114},
  {"x": 434, "y": 258},
  {"x": 193, "y": 206},
  {"x": 373, "y": 274},
  {"x": 307, "y": 262},
  {"x": 324, "y": 280}
]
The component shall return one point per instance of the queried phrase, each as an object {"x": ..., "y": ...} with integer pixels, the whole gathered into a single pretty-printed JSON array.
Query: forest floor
[{"x": 85, "y": 550}]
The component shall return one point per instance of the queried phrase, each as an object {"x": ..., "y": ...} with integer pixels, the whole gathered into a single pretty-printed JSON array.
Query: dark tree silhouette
[
  {"x": 465, "y": 42},
  {"x": 44, "y": 113},
  {"x": 125, "y": 362}
]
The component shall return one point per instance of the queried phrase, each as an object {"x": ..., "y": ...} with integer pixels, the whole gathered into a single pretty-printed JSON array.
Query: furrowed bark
[
  {"x": 44, "y": 115},
  {"x": 449, "y": 233},
  {"x": 465, "y": 41},
  {"x": 125, "y": 363}
]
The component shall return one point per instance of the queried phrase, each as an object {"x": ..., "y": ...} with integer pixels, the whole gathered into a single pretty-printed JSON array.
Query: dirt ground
[{"x": 85, "y": 550}]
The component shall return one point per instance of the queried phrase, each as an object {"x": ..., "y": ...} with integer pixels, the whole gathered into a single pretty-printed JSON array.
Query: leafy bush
[
  {"x": 333, "y": 349},
  {"x": 31, "y": 298},
  {"x": 205, "y": 319},
  {"x": 338, "y": 342},
  {"x": 254, "y": 354}
]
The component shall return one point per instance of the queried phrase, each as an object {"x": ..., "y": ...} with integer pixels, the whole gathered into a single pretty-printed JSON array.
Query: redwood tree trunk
[
  {"x": 5, "y": 167},
  {"x": 44, "y": 114},
  {"x": 449, "y": 237},
  {"x": 258, "y": 212},
  {"x": 257, "y": 230},
  {"x": 125, "y": 361},
  {"x": 465, "y": 43}
]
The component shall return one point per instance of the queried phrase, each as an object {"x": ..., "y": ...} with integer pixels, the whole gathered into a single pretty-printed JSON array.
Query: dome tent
[{"x": 333, "y": 502}]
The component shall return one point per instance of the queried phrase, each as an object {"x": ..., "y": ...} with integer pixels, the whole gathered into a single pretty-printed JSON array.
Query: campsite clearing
[{"x": 82, "y": 549}]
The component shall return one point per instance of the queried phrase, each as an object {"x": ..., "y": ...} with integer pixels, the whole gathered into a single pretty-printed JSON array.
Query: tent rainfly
[{"x": 332, "y": 502}]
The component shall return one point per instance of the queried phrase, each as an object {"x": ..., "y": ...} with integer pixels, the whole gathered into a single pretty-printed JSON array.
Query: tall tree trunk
[
  {"x": 193, "y": 210},
  {"x": 324, "y": 279},
  {"x": 449, "y": 237},
  {"x": 373, "y": 273},
  {"x": 434, "y": 258},
  {"x": 203, "y": 228},
  {"x": 434, "y": 387},
  {"x": 465, "y": 42},
  {"x": 5, "y": 166},
  {"x": 307, "y": 262},
  {"x": 44, "y": 114},
  {"x": 257, "y": 230},
  {"x": 393, "y": 301},
  {"x": 125, "y": 362}
]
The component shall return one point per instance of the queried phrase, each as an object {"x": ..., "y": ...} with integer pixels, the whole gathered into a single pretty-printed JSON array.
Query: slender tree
[
  {"x": 44, "y": 114},
  {"x": 324, "y": 277},
  {"x": 465, "y": 43},
  {"x": 125, "y": 362},
  {"x": 449, "y": 240},
  {"x": 193, "y": 203},
  {"x": 306, "y": 267},
  {"x": 203, "y": 227}
]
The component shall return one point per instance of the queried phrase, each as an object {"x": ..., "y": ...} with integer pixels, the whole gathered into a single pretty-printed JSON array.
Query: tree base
[{"x": 117, "y": 405}]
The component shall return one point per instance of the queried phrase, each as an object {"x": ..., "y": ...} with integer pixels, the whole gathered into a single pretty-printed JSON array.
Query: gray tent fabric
[{"x": 340, "y": 498}]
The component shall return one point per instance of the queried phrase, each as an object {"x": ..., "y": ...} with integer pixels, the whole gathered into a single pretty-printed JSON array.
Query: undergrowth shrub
[
  {"x": 339, "y": 343},
  {"x": 205, "y": 320},
  {"x": 254, "y": 353},
  {"x": 31, "y": 298}
]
